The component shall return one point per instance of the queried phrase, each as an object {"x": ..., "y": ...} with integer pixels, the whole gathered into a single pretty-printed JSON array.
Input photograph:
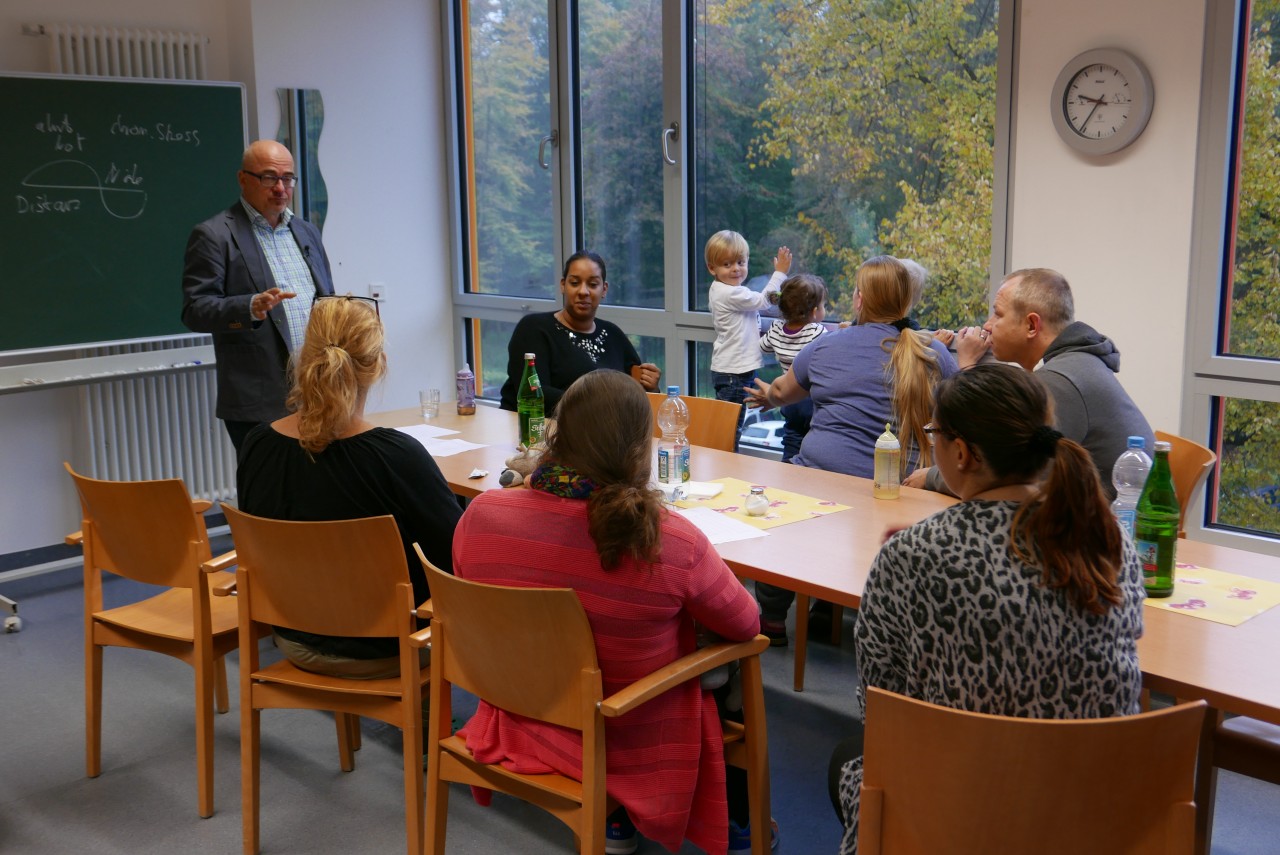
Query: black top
[
  {"x": 563, "y": 355},
  {"x": 381, "y": 471}
]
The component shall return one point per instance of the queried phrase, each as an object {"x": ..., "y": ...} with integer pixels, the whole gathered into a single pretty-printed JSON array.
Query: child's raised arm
[{"x": 782, "y": 261}]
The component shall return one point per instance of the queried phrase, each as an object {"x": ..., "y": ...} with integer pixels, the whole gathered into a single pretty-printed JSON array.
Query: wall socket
[{"x": 378, "y": 291}]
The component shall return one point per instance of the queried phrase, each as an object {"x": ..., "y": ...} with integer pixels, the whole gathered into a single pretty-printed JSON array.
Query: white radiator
[
  {"x": 160, "y": 426},
  {"x": 120, "y": 52}
]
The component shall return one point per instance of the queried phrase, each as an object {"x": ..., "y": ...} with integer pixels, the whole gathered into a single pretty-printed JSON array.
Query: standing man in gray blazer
[{"x": 250, "y": 276}]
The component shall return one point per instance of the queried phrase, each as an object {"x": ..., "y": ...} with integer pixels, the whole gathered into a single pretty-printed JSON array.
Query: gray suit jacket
[{"x": 224, "y": 268}]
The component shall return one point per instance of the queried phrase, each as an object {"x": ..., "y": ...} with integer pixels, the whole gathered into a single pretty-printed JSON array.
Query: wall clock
[{"x": 1102, "y": 101}]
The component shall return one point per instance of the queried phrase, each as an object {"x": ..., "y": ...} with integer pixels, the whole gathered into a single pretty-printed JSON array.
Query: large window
[
  {"x": 638, "y": 128},
  {"x": 1236, "y": 386}
]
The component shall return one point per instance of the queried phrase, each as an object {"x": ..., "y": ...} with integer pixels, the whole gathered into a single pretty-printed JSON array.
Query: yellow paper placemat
[
  {"x": 784, "y": 507},
  {"x": 1217, "y": 596}
]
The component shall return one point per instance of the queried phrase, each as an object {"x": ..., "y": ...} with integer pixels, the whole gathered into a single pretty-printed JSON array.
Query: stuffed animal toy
[{"x": 521, "y": 465}]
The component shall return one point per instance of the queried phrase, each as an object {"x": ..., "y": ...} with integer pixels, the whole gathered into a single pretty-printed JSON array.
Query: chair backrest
[
  {"x": 143, "y": 530},
  {"x": 712, "y": 423},
  {"x": 1190, "y": 463},
  {"x": 528, "y": 651},
  {"x": 338, "y": 577},
  {"x": 943, "y": 780}
]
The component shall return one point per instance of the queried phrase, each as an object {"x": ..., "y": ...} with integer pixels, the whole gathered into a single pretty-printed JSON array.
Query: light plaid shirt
[{"x": 289, "y": 268}]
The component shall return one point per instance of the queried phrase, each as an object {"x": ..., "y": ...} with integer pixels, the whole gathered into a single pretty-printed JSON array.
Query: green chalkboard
[{"x": 101, "y": 181}]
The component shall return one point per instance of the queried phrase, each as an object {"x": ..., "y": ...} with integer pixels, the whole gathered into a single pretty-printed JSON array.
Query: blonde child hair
[{"x": 726, "y": 244}]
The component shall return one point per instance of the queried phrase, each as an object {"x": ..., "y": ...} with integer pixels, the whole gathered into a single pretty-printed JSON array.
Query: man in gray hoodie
[{"x": 1033, "y": 320}]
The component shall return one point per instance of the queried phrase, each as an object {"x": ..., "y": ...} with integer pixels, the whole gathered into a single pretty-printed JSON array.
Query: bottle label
[
  {"x": 1127, "y": 517},
  {"x": 1157, "y": 559},
  {"x": 664, "y": 465},
  {"x": 684, "y": 463},
  {"x": 536, "y": 425}
]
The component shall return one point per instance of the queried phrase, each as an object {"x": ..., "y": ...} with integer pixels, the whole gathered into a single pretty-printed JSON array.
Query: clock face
[{"x": 1097, "y": 101}]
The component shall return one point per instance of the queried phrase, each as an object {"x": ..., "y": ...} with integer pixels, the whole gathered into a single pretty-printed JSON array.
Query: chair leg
[
  {"x": 414, "y": 791},
  {"x": 355, "y": 733},
  {"x": 93, "y": 709},
  {"x": 204, "y": 737},
  {"x": 440, "y": 724},
  {"x": 345, "y": 755},
  {"x": 1206, "y": 781},
  {"x": 802, "y": 640},
  {"x": 221, "y": 696},
  {"x": 250, "y": 772}
]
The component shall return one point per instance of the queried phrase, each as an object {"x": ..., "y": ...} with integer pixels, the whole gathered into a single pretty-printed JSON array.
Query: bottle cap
[
  {"x": 673, "y": 390},
  {"x": 466, "y": 368},
  {"x": 1161, "y": 445},
  {"x": 1137, "y": 442},
  {"x": 530, "y": 355},
  {"x": 887, "y": 439}
]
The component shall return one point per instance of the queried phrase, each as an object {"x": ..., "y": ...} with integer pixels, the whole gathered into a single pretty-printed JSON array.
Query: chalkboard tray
[{"x": 103, "y": 180}]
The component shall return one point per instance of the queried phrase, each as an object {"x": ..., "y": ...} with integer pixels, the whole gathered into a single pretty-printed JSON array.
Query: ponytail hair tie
[
  {"x": 1044, "y": 440},
  {"x": 901, "y": 324}
]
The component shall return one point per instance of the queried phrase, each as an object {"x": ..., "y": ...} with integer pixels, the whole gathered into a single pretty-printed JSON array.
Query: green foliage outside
[
  {"x": 1250, "y": 454},
  {"x": 886, "y": 108}
]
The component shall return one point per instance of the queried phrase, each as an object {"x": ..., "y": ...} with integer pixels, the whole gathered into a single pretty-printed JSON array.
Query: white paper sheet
[
  {"x": 718, "y": 527},
  {"x": 430, "y": 437},
  {"x": 424, "y": 432}
]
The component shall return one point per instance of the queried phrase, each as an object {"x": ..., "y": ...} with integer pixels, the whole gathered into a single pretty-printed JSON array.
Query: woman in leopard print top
[{"x": 987, "y": 606}]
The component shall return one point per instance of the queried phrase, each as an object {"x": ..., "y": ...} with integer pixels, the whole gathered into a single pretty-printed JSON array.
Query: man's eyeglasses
[
  {"x": 269, "y": 179},
  {"x": 368, "y": 301}
]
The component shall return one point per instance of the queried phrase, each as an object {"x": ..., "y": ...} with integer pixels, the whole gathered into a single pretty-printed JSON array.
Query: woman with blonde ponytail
[
  {"x": 325, "y": 461},
  {"x": 1025, "y": 599},
  {"x": 590, "y": 521},
  {"x": 878, "y": 371}
]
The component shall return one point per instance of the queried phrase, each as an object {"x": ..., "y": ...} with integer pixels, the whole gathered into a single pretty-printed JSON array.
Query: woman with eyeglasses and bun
[
  {"x": 325, "y": 461},
  {"x": 1024, "y": 599}
]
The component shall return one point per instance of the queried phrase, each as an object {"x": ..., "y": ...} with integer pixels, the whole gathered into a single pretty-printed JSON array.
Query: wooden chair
[
  {"x": 530, "y": 651},
  {"x": 943, "y": 780},
  {"x": 1190, "y": 462},
  {"x": 712, "y": 423},
  {"x": 151, "y": 531},
  {"x": 345, "y": 577}
]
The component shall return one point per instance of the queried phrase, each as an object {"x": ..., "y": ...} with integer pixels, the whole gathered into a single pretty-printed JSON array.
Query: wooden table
[
  {"x": 826, "y": 557},
  {"x": 1236, "y": 669}
]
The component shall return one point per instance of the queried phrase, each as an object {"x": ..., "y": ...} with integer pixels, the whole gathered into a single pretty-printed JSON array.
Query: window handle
[
  {"x": 670, "y": 134},
  {"x": 554, "y": 139}
]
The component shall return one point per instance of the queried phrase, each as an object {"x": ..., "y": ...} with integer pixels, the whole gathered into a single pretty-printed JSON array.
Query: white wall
[
  {"x": 377, "y": 65},
  {"x": 1118, "y": 227}
]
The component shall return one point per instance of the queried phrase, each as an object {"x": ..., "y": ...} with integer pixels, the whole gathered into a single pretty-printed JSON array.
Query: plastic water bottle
[
  {"x": 673, "y": 450},
  {"x": 466, "y": 391},
  {"x": 887, "y": 469},
  {"x": 1128, "y": 476}
]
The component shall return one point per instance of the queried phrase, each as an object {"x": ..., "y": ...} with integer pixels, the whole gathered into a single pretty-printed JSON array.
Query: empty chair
[
  {"x": 939, "y": 780},
  {"x": 1190, "y": 463},
  {"x": 151, "y": 531},
  {"x": 345, "y": 578},
  {"x": 712, "y": 423},
  {"x": 530, "y": 651}
]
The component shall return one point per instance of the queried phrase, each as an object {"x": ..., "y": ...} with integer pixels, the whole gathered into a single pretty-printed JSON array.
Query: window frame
[{"x": 1210, "y": 374}]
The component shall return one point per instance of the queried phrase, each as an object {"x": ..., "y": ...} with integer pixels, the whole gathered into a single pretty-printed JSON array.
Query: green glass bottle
[
  {"x": 530, "y": 405},
  {"x": 1156, "y": 528}
]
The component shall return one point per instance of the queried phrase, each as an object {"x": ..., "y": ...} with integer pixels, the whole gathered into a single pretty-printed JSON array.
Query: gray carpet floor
[{"x": 145, "y": 799}]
